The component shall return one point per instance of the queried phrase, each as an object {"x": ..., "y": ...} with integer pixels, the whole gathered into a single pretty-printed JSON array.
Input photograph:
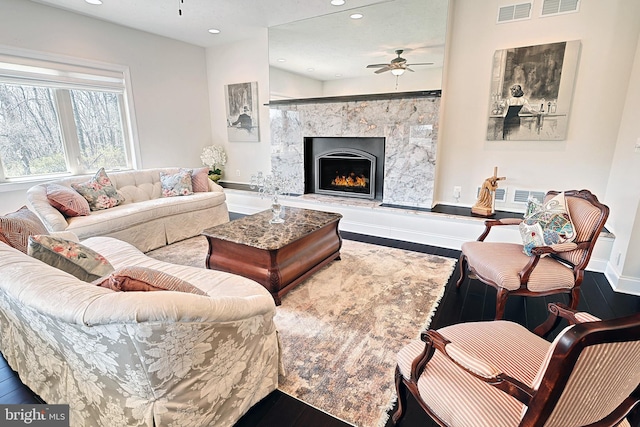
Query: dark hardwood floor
[{"x": 473, "y": 301}]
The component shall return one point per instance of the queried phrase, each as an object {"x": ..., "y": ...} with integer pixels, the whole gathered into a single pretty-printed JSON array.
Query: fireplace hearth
[{"x": 345, "y": 167}]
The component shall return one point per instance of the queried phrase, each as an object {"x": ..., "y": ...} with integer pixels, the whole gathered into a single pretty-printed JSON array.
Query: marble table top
[{"x": 256, "y": 231}]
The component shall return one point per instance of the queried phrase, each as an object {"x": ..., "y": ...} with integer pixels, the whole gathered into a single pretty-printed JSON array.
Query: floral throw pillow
[
  {"x": 144, "y": 279},
  {"x": 99, "y": 192},
  {"x": 72, "y": 257},
  {"x": 547, "y": 224},
  {"x": 178, "y": 184}
]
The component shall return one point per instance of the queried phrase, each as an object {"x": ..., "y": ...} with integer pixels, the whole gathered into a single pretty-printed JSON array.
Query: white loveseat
[
  {"x": 138, "y": 358},
  {"x": 145, "y": 219}
]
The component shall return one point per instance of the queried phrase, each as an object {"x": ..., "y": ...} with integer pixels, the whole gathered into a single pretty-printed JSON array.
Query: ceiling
[{"x": 378, "y": 33}]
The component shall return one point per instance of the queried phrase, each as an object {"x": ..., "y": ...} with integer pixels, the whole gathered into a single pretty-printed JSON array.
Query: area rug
[{"x": 341, "y": 328}]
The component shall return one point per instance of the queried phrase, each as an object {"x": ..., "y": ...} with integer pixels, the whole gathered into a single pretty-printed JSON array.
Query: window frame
[{"x": 62, "y": 74}]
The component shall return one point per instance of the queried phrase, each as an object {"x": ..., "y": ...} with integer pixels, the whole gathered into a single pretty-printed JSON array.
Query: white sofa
[
  {"x": 145, "y": 219},
  {"x": 138, "y": 358}
]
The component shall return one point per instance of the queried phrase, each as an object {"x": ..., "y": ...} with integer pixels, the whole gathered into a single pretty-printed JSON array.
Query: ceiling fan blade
[
  {"x": 420, "y": 63},
  {"x": 377, "y": 65},
  {"x": 409, "y": 69},
  {"x": 382, "y": 70}
]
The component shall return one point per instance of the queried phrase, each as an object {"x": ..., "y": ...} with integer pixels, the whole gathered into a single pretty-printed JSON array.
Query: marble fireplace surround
[{"x": 409, "y": 125}]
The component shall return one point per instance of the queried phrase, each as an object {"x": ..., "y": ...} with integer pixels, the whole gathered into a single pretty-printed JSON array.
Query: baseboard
[{"x": 623, "y": 284}]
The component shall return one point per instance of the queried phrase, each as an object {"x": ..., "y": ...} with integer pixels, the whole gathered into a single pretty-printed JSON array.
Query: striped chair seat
[
  {"x": 587, "y": 376},
  {"x": 505, "y": 267},
  {"x": 451, "y": 393},
  {"x": 549, "y": 274}
]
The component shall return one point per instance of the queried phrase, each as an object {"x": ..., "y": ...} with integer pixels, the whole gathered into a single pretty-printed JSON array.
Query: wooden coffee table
[{"x": 278, "y": 256}]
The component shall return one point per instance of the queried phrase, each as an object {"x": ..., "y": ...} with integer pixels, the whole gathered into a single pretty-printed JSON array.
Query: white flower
[{"x": 213, "y": 156}]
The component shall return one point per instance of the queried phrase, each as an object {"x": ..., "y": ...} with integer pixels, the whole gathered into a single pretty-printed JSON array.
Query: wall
[
  {"x": 250, "y": 61},
  {"x": 168, "y": 77},
  {"x": 286, "y": 85},
  {"x": 623, "y": 192},
  {"x": 423, "y": 78},
  {"x": 608, "y": 32}
]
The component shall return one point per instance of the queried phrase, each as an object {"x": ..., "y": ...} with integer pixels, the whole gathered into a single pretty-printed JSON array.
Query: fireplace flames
[{"x": 350, "y": 181}]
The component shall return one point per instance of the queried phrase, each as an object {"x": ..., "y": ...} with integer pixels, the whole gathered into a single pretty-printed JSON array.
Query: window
[{"x": 61, "y": 118}]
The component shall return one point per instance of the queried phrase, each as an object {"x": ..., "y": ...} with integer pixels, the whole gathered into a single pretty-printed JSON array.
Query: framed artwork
[
  {"x": 531, "y": 92},
  {"x": 242, "y": 112}
]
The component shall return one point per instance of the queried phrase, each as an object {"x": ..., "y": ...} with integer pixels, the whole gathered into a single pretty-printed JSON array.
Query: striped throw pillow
[
  {"x": 126, "y": 279},
  {"x": 67, "y": 200},
  {"x": 16, "y": 227},
  {"x": 200, "y": 180}
]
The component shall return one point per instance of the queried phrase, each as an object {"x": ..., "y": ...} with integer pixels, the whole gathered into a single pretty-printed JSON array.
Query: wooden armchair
[
  {"x": 557, "y": 268},
  {"x": 497, "y": 373}
]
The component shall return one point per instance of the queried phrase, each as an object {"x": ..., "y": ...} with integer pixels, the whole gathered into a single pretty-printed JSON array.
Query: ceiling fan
[{"x": 397, "y": 66}]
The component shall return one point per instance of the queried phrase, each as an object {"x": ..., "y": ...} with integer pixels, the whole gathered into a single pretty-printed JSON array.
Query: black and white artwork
[
  {"x": 531, "y": 92},
  {"x": 242, "y": 112}
]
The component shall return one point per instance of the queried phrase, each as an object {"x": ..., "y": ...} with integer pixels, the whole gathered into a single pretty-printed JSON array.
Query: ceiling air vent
[
  {"x": 522, "y": 196},
  {"x": 557, "y": 7},
  {"x": 514, "y": 12}
]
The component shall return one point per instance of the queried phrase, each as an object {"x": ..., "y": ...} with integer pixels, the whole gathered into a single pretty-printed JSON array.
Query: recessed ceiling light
[
  {"x": 337, "y": 2},
  {"x": 356, "y": 16},
  {"x": 94, "y": 1},
  {"x": 214, "y": 31}
]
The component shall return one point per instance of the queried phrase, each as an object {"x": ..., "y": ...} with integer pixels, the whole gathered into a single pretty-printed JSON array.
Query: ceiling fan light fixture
[{"x": 397, "y": 71}]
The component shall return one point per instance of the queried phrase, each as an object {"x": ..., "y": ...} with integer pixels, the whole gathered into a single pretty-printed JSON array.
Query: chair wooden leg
[
  {"x": 401, "y": 391},
  {"x": 462, "y": 263},
  {"x": 574, "y": 298},
  {"x": 501, "y": 302}
]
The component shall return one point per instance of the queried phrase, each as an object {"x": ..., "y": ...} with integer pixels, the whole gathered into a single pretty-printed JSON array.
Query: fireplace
[
  {"x": 346, "y": 172},
  {"x": 346, "y": 167}
]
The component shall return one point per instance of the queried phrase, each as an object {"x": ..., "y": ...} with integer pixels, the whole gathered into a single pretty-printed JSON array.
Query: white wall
[
  {"x": 623, "y": 192},
  {"x": 250, "y": 62},
  {"x": 608, "y": 32},
  {"x": 168, "y": 77},
  {"x": 286, "y": 85}
]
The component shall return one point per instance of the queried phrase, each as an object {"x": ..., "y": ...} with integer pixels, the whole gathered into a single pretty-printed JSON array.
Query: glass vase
[{"x": 276, "y": 208}]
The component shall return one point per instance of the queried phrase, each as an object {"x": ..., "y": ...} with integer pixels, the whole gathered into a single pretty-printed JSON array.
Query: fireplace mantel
[{"x": 367, "y": 97}]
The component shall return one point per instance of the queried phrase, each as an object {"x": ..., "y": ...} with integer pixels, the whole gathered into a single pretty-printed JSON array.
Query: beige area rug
[{"x": 342, "y": 327}]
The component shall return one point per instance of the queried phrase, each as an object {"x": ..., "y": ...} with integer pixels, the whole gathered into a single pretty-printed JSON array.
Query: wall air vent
[
  {"x": 558, "y": 7},
  {"x": 522, "y": 196},
  {"x": 501, "y": 194},
  {"x": 514, "y": 12}
]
